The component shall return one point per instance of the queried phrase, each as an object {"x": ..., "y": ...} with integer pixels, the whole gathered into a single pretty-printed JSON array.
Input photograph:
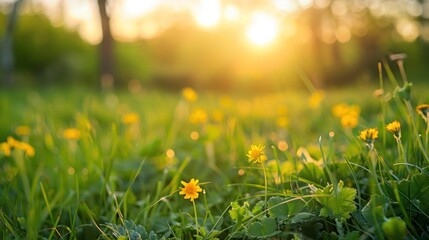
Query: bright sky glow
[
  {"x": 133, "y": 19},
  {"x": 262, "y": 29},
  {"x": 231, "y": 13},
  {"x": 207, "y": 13}
]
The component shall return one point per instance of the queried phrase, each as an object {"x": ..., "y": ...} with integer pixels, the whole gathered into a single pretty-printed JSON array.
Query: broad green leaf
[
  {"x": 266, "y": 228},
  {"x": 312, "y": 173},
  {"x": 302, "y": 217},
  {"x": 339, "y": 203},
  {"x": 277, "y": 208},
  {"x": 374, "y": 210},
  {"x": 414, "y": 193},
  {"x": 239, "y": 213},
  {"x": 394, "y": 228}
]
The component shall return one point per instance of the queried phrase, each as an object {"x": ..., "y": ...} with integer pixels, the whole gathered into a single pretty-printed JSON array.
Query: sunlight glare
[
  {"x": 231, "y": 13},
  {"x": 136, "y": 8},
  {"x": 262, "y": 29},
  {"x": 288, "y": 6},
  {"x": 207, "y": 13}
]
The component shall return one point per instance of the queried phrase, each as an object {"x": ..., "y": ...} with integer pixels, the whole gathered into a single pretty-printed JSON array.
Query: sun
[{"x": 262, "y": 29}]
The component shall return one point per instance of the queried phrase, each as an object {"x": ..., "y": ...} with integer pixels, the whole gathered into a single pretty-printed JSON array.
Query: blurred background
[{"x": 220, "y": 45}]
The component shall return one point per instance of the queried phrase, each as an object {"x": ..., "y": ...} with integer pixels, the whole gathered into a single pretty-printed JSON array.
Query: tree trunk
[
  {"x": 106, "y": 48},
  {"x": 7, "y": 59}
]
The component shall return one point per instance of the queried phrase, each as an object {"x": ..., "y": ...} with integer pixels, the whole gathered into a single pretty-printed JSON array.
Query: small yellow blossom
[
  {"x": 256, "y": 153},
  {"x": 282, "y": 121},
  {"x": 130, "y": 118},
  {"x": 343, "y": 109},
  {"x": 198, "y": 116},
  {"x": 12, "y": 143},
  {"x": 217, "y": 116},
  {"x": 423, "y": 110},
  {"x": 189, "y": 94},
  {"x": 349, "y": 121},
  {"x": 5, "y": 148},
  {"x": 191, "y": 189},
  {"x": 27, "y": 148},
  {"x": 369, "y": 136},
  {"x": 23, "y": 130},
  {"x": 394, "y": 127},
  {"x": 71, "y": 134},
  {"x": 315, "y": 99}
]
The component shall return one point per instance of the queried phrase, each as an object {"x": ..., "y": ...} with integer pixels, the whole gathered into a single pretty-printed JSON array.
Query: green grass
[{"x": 120, "y": 181}]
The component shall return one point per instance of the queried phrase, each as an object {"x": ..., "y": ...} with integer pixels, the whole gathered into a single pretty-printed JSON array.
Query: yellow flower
[
  {"x": 198, "y": 116},
  {"x": 12, "y": 142},
  {"x": 191, "y": 189},
  {"x": 343, "y": 109},
  {"x": 315, "y": 99},
  {"x": 23, "y": 130},
  {"x": 349, "y": 120},
  {"x": 256, "y": 153},
  {"x": 27, "y": 148},
  {"x": 282, "y": 121},
  {"x": 189, "y": 94},
  {"x": 394, "y": 127},
  {"x": 423, "y": 110},
  {"x": 130, "y": 118},
  {"x": 368, "y": 136},
  {"x": 71, "y": 134},
  {"x": 5, "y": 148}
]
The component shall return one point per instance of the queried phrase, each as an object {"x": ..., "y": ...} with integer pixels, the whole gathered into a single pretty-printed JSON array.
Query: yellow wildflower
[
  {"x": 27, "y": 148},
  {"x": 130, "y": 118},
  {"x": 349, "y": 121},
  {"x": 343, "y": 109},
  {"x": 256, "y": 153},
  {"x": 217, "y": 115},
  {"x": 12, "y": 142},
  {"x": 198, "y": 116},
  {"x": 315, "y": 99},
  {"x": 5, "y": 148},
  {"x": 189, "y": 94},
  {"x": 423, "y": 110},
  {"x": 282, "y": 121},
  {"x": 394, "y": 127},
  {"x": 368, "y": 136},
  {"x": 23, "y": 130},
  {"x": 191, "y": 189},
  {"x": 71, "y": 134}
]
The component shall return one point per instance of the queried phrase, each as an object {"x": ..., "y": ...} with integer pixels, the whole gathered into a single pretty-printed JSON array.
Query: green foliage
[
  {"x": 338, "y": 201},
  {"x": 85, "y": 188},
  {"x": 129, "y": 230},
  {"x": 265, "y": 228},
  {"x": 394, "y": 228}
]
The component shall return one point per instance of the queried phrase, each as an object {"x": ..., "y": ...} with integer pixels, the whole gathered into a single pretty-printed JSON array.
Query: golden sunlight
[
  {"x": 262, "y": 29},
  {"x": 207, "y": 13}
]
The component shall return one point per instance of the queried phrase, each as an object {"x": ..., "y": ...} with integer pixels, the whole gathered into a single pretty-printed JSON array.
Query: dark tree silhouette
[
  {"x": 106, "y": 48},
  {"x": 7, "y": 59}
]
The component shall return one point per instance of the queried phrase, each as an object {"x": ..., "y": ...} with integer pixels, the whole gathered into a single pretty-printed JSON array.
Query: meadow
[{"x": 347, "y": 163}]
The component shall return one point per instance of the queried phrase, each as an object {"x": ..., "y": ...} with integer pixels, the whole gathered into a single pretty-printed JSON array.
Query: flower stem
[
  {"x": 266, "y": 184},
  {"x": 207, "y": 207},
  {"x": 196, "y": 218}
]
